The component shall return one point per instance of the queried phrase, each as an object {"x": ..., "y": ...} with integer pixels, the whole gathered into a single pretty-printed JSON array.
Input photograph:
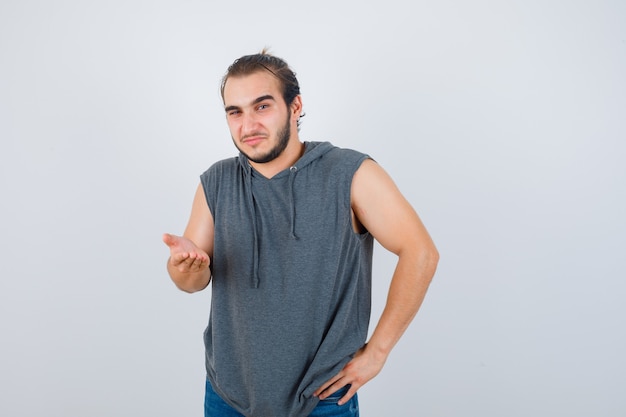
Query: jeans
[
  {"x": 328, "y": 407},
  {"x": 214, "y": 406}
]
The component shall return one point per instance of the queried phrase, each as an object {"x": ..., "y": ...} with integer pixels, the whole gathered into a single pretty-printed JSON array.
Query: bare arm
[
  {"x": 380, "y": 207},
  {"x": 190, "y": 254}
]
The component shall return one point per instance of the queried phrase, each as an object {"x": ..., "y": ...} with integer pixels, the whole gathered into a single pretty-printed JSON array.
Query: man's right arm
[{"x": 190, "y": 254}]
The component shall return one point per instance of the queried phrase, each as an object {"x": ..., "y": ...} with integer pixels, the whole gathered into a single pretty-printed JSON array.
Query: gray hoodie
[{"x": 291, "y": 284}]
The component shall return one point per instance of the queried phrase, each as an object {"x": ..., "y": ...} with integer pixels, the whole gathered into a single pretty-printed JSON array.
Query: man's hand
[
  {"x": 365, "y": 365},
  {"x": 185, "y": 256}
]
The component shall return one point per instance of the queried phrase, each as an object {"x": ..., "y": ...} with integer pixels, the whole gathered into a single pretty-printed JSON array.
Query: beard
[{"x": 283, "y": 140}]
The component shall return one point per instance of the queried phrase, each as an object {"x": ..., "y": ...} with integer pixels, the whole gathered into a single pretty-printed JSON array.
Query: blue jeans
[
  {"x": 214, "y": 406},
  {"x": 328, "y": 406}
]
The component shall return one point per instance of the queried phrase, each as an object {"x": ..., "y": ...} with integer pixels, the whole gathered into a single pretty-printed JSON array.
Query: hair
[{"x": 264, "y": 61}]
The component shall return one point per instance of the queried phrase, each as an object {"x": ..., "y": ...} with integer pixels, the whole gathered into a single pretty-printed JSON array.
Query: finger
[
  {"x": 196, "y": 263},
  {"x": 191, "y": 259},
  {"x": 348, "y": 395},
  {"x": 188, "y": 262},
  {"x": 200, "y": 262},
  {"x": 325, "y": 385},
  {"x": 204, "y": 263},
  {"x": 332, "y": 388},
  {"x": 179, "y": 258}
]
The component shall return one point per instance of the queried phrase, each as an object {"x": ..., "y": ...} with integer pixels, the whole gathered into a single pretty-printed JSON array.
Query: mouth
[{"x": 253, "y": 139}]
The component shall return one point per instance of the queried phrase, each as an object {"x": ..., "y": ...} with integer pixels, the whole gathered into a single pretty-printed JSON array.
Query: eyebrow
[{"x": 255, "y": 101}]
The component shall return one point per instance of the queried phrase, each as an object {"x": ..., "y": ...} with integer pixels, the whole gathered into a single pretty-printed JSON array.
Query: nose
[{"x": 249, "y": 124}]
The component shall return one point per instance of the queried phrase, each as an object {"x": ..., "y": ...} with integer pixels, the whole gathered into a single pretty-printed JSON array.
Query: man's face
[{"x": 258, "y": 118}]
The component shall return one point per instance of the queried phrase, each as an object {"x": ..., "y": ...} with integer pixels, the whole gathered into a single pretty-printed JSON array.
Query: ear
[{"x": 296, "y": 107}]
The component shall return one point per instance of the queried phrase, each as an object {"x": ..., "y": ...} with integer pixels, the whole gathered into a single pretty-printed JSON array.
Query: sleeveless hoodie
[{"x": 291, "y": 280}]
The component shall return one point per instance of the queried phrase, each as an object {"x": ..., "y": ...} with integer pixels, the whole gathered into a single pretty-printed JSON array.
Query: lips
[{"x": 253, "y": 140}]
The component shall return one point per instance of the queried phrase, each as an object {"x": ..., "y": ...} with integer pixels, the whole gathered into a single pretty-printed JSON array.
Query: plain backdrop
[{"x": 503, "y": 123}]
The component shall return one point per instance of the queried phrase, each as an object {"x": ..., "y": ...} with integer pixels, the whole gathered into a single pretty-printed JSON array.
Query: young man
[{"x": 285, "y": 234}]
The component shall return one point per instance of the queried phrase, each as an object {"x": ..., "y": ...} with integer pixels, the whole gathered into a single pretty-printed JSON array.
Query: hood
[{"x": 312, "y": 151}]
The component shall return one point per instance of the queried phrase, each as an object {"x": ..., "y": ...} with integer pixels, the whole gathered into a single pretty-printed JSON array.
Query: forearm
[
  {"x": 408, "y": 287},
  {"x": 410, "y": 281},
  {"x": 189, "y": 281}
]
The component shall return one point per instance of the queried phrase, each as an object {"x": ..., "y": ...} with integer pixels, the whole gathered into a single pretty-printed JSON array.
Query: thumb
[{"x": 170, "y": 240}]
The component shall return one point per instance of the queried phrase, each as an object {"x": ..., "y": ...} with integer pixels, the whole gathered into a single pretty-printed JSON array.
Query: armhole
[
  {"x": 357, "y": 226},
  {"x": 204, "y": 180}
]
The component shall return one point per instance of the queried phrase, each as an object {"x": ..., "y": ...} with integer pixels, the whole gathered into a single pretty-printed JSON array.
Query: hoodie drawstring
[
  {"x": 255, "y": 235},
  {"x": 292, "y": 176}
]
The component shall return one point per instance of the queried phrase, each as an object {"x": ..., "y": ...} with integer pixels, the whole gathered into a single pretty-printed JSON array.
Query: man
[{"x": 285, "y": 234}]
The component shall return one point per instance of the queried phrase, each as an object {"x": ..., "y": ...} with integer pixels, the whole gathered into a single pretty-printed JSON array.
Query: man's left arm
[{"x": 380, "y": 207}]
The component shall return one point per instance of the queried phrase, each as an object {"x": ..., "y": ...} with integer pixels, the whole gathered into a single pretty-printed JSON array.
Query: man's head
[
  {"x": 263, "y": 106},
  {"x": 264, "y": 61}
]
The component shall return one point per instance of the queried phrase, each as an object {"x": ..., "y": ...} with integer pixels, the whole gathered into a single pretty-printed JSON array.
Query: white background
[{"x": 504, "y": 123}]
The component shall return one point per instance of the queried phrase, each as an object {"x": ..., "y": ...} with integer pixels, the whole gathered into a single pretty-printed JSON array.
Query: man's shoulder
[
  {"x": 344, "y": 157},
  {"x": 221, "y": 166}
]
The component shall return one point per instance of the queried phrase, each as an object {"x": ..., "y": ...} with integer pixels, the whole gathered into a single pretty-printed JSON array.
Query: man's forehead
[{"x": 246, "y": 89}]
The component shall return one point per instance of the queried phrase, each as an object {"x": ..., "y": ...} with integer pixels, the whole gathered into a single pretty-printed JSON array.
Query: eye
[{"x": 263, "y": 106}]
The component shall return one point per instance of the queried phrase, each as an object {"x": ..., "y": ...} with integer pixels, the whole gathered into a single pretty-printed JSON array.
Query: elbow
[
  {"x": 428, "y": 260},
  {"x": 434, "y": 263},
  {"x": 424, "y": 257},
  {"x": 434, "y": 257}
]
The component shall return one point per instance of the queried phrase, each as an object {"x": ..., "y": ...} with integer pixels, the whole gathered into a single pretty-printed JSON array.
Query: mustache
[{"x": 254, "y": 135}]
